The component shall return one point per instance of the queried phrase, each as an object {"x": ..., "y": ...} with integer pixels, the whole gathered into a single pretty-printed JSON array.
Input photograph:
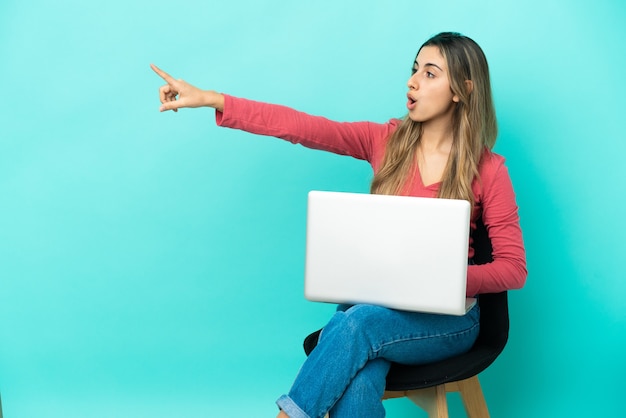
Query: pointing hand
[{"x": 178, "y": 94}]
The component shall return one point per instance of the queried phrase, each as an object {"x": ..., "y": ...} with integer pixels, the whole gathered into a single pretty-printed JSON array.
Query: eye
[
  {"x": 413, "y": 70},
  {"x": 429, "y": 74}
]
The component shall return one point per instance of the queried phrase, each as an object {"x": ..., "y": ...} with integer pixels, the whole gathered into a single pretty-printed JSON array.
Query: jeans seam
[{"x": 381, "y": 346}]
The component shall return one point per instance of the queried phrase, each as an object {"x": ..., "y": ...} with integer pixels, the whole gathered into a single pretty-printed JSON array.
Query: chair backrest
[
  {"x": 482, "y": 244},
  {"x": 494, "y": 310}
]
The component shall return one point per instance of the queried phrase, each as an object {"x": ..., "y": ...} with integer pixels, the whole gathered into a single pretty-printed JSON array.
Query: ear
[{"x": 469, "y": 86}]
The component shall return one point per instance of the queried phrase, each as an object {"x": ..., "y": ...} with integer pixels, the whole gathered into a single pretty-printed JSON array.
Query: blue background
[{"x": 151, "y": 264}]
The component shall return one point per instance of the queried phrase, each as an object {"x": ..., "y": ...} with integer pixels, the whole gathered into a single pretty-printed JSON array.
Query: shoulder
[
  {"x": 490, "y": 163},
  {"x": 492, "y": 175},
  {"x": 385, "y": 130},
  {"x": 492, "y": 168},
  {"x": 394, "y": 123}
]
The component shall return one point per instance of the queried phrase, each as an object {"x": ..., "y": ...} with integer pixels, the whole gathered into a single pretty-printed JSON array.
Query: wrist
[{"x": 215, "y": 100}]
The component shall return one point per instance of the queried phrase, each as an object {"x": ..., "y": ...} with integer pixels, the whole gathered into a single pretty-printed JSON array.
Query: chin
[{"x": 417, "y": 118}]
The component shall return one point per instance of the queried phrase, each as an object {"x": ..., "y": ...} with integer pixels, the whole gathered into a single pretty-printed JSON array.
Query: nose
[{"x": 412, "y": 84}]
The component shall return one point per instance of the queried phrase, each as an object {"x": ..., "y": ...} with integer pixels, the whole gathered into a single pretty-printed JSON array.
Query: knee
[
  {"x": 366, "y": 316},
  {"x": 357, "y": 321}
]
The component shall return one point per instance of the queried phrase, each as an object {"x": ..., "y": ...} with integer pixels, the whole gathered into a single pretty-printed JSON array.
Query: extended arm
[{"x": 362, "y": 140}]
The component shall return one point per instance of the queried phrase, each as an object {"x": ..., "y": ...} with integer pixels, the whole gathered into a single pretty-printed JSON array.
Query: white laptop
[{"x": 407, "y": 253}]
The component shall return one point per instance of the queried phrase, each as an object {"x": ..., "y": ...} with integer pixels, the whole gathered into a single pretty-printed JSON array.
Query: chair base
[{"x": 433, "y": 400}]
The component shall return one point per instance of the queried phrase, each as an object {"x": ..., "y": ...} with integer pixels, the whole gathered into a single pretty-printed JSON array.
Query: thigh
[{"x": 413, "y": 337}]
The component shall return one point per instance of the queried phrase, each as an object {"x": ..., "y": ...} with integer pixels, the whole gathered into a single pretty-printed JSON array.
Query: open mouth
[{"x": 410, "y": 104}]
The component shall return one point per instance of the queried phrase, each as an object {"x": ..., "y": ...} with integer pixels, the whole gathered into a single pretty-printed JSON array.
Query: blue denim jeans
[{"x": 345, "y": 374}]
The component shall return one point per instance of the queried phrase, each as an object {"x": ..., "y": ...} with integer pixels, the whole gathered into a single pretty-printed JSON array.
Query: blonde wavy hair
[{"x": 474, "y": 125}]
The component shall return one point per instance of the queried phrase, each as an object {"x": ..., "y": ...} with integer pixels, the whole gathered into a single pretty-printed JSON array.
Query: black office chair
[{"x": 427, "y": 385}]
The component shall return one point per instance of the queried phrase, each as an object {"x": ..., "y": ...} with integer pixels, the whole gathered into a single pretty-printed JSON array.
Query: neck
[
  {"x": 437, "y": 134},
  {"x": 436, "y": 140}
]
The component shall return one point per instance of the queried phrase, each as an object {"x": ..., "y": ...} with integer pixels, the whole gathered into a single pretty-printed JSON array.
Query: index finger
[{"x": 165, "y": 76}]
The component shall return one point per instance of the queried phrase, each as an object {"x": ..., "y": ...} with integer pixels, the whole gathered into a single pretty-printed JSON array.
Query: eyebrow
[{"x": 429, "y": 64}]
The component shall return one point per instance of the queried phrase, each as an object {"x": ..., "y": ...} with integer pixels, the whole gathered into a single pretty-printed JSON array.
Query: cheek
[
  {"x": 444, "y": 95},
  {"x": 439, "y": 99}
]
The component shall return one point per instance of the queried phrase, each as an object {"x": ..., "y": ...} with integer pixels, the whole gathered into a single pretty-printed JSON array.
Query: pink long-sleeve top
[{"x": 494, "y": 196}]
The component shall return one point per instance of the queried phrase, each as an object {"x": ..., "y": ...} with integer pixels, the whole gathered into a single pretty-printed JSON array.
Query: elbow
[
  {"x": 519, "y": 277},
  {"x": 519, "y": 283}
]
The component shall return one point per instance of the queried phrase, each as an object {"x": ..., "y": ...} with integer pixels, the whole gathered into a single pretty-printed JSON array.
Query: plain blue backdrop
[{"x": 151, "y": 264}]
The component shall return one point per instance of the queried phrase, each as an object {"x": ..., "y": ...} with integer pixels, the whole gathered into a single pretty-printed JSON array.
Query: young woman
[{"x": 442, "y": 148}]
